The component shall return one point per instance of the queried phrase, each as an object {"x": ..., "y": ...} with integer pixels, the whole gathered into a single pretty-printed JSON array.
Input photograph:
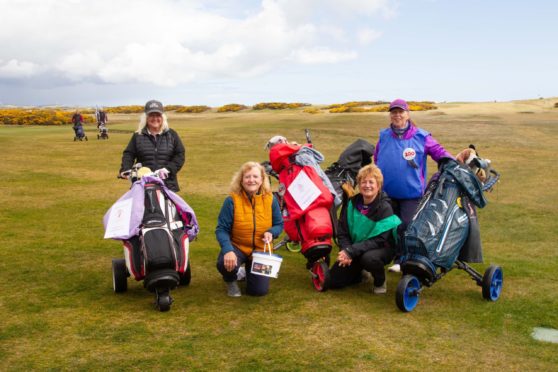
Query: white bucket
[{"x": 266, "y": 264}]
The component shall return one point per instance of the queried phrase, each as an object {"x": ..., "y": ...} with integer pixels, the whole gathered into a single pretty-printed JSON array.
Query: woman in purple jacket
[{"x": 401, "y": 154}]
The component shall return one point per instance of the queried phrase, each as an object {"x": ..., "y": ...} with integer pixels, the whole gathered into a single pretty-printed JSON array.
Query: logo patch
[{"x": 409, "y": 154}]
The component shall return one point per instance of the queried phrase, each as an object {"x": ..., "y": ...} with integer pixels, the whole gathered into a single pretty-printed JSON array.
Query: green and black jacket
[{"x": 358, "y": 233}]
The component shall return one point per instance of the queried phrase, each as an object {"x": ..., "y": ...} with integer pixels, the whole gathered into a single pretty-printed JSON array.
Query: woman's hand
[
  {"x": 267, "y": 237},
  {"x": 230, "y": 260},
  {"x": 344, "y": 259}
]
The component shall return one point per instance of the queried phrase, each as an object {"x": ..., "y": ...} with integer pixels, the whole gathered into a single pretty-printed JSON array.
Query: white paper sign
[
  {"x": 119, "y": 219},
  {"x": 303, "y": 190}
]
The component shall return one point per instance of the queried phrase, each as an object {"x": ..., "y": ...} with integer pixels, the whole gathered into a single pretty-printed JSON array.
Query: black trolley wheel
[
  {"x": 163, "y": 301},
  {"x": 119, "y": 275},
  {"x": 187, "y": 276}
]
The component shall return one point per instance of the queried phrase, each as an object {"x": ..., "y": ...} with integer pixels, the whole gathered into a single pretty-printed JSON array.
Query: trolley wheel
[
  {"x": 187, "y": 276},
  {"x": 492, "y": 282},
  {"x": 75, "y": 139},
  {"x": 164, "y": 301},
  {"x": 98, "y": 137},
  {"x": 320, "y": 276},
  {"x": 293, "y": 246},
  {"x": 86, "y": 138},
  {"x": 119, "y": 275},
  {"x": 407, "y": 294}
]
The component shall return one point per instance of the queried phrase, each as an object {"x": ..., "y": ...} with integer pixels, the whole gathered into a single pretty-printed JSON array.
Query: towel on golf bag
[
  {"x": 137, "y": 195},
  {"x": 445, "y": 225}
]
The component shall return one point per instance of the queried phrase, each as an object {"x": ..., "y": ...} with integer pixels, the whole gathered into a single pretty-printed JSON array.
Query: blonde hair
[
  {"x": 143, "y": 123},
  {"x": 371, "y": 170},
  {"x": 236, "y": 183}
]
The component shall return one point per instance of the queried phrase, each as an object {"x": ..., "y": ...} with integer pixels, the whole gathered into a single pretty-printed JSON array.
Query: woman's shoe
[
  {"x": 396, "y": 268},
  {"x": 381, "y": 289},
  {"x": 233, "y": 290}
]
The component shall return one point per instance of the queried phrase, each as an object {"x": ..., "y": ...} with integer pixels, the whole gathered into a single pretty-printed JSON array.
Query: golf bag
[
  {"x": 445, "y": 226},
  {"x": 343, "y": 172},
  {"x": 306, "y": 204}
]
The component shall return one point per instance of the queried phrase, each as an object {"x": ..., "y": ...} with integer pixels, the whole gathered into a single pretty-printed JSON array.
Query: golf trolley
[
  {"x": 156, "y": 244},
  {"x": 444, "y": 234}
]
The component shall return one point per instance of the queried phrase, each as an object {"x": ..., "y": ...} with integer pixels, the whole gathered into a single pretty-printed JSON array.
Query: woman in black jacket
[
  {"x": 155, "y": 146},
  {"x": 366, "y": 233}
]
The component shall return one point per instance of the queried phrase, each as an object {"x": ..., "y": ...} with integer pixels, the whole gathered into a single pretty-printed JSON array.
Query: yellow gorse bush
[
  {"x": 379, "y": 106},
  {"x": 233, "y": 107},
  {"x": 132, "y": 109},
  {"x": 278, "y": 105},
  {"x": 312, "y": 110},
  {"x": 193, "y": 109},
  {"x": 17, "y": 116}
]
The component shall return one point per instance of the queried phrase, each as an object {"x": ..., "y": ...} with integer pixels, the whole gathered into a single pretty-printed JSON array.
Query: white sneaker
[
  {"x": 396, "y": 268},
  {"x": 381, "y": 289},
  {"x": 233, "y": 290},
  {"x": 241, "y": 274}
]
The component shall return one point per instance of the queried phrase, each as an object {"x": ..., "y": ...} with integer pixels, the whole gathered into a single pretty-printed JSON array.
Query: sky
[{"x": 215, "y": 52}]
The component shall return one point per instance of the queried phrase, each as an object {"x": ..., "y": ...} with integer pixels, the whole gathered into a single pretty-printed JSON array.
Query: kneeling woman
[
  {"x": 366, "y": 233},
  {"x": 249, "y": 218}
]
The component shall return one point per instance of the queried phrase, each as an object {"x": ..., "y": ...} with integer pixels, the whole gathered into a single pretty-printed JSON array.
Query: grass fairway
[{"x": 58, "y": 310}]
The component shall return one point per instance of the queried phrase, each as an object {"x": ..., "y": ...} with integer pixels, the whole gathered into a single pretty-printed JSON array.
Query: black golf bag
[
  {"x": 345, "y": 169},
  {"x": 445, "y": 225}
]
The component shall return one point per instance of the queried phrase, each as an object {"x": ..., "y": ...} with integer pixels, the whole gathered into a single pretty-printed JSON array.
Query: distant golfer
[{"x": 401, "y": 154}]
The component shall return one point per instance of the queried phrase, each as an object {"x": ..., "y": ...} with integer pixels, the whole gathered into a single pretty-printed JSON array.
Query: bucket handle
[{"x": 267, "y": 245}]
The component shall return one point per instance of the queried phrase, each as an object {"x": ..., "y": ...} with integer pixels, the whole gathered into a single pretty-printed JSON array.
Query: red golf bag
[{"x": 306, "y": 204}]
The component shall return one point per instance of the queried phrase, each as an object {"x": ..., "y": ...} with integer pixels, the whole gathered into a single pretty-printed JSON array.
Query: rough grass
[{"x": 58, "y": 310}]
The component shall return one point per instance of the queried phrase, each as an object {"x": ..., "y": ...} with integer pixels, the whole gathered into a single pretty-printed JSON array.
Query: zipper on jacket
[{"x": 253, "y": 224}]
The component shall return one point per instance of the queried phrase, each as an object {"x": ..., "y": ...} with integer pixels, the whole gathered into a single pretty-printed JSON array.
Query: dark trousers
[
  {"x": 405, "y": 209},
  {"x": 256, "y": 285},
  {"x": 372, "y": 261}
]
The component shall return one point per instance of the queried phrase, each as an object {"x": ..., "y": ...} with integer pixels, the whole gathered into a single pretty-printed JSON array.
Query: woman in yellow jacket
[{"x": 250, "y": 217}]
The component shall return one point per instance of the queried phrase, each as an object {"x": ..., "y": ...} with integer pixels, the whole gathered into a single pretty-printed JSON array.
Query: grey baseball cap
[{"x": 153, "y": 106}]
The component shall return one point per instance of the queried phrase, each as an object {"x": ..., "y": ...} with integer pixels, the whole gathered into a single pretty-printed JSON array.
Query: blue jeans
[{"x": 256, "y": 285}]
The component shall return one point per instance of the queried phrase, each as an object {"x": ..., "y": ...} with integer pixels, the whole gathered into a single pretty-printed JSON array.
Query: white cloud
[
  {"x": 321, "y": 55},
  {"x": 368, "y": 35},
  {"x": 17, "y": 69},
  {"x": 171, "y": 42}
]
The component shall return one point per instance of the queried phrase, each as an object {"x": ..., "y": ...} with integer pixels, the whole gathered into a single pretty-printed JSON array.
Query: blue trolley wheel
[
  {"x": 407, "y": 294},
  {"x": 492, "y": 282}
]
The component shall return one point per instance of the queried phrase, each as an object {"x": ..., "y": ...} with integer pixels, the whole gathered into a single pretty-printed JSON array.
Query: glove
[{"x": 163, "y": 173}]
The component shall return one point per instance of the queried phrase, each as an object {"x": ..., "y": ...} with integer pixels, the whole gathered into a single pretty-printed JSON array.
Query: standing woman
[
  {"x": 401, "y": 154},
  {"x": 365, "y": 233},
  {"x": 249, "y": 218},
  {"x": 155, "y": 146}
]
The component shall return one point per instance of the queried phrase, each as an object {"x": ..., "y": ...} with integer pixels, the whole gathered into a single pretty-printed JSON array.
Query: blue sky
[{"x": 73, "y": 52}]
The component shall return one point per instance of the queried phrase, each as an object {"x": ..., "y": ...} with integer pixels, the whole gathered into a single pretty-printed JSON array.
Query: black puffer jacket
[{"x": 164, "y": 150}]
